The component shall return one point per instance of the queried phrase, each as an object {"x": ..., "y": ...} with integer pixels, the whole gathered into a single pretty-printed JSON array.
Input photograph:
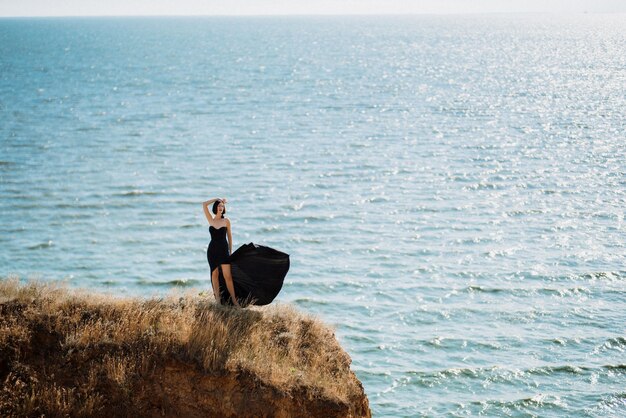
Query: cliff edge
[{"x": 68, "y": 353}]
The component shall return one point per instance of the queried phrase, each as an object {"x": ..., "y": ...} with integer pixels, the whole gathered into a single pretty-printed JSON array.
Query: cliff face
[
  {"x": 177, "y": 391},
  {"x": 64, "y": 353}
]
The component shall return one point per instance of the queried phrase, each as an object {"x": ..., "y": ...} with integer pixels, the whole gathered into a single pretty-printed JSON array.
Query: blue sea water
[{"x": 451, "y": 189}]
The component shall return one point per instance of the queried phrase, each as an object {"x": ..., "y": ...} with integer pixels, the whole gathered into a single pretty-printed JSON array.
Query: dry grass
[{"x": 69, "y": 353}]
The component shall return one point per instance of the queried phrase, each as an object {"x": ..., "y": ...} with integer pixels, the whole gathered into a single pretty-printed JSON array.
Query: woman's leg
[
  {"x": 229, "y": 282},
  {"x": 215, "y": 282}
]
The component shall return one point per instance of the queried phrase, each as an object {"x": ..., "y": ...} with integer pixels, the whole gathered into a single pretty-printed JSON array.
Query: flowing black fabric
[
  {"x": 217, "y": 253},
  {"x": 258, "y": 274}
]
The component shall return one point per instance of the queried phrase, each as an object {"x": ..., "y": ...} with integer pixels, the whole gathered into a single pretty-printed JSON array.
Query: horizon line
[{"x": 542, "y": 12}]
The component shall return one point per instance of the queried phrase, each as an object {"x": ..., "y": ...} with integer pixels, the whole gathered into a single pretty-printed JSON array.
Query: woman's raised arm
[{"x": 207, "y": 212}]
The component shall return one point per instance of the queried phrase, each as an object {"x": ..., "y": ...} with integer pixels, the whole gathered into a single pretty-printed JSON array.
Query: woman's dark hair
[{"x": 215, "y": 205}]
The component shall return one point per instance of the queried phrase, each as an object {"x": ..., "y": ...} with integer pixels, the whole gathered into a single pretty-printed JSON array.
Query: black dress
[
  {"x": 258, "y": 272},
  {"x": 217, "y": 253}
]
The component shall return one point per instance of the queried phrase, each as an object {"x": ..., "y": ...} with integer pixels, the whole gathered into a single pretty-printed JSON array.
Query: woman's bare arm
[
  {"x": 230, "y": 237},
  {"x": 207, "y": 212}
]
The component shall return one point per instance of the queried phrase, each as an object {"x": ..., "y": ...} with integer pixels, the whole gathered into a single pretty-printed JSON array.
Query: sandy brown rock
[{"x": 176, "y": 390}]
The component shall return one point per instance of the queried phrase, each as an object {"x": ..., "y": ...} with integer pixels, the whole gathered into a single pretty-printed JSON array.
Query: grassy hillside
[{"x": 74, "y": 353}]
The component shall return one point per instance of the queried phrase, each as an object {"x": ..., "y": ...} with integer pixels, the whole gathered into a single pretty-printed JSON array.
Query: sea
[{"x": 451, "y": 189}]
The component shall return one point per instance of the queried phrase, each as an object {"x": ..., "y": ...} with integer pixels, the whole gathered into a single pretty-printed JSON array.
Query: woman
[
  {"x": 255, "y": 272},
  {"x": 219, "y": 250}
]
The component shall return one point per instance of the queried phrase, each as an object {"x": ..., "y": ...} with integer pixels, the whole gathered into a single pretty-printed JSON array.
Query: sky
[{"x": 298, "y": 7}]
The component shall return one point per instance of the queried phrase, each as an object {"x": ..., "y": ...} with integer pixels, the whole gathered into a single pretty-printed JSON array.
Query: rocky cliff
[{"x": 65, "y": 353}]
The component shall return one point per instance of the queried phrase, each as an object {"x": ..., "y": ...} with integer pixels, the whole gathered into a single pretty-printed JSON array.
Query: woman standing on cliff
[
  {"x": 219, "y": 250},
  {"x": 255, "y": 272}
]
